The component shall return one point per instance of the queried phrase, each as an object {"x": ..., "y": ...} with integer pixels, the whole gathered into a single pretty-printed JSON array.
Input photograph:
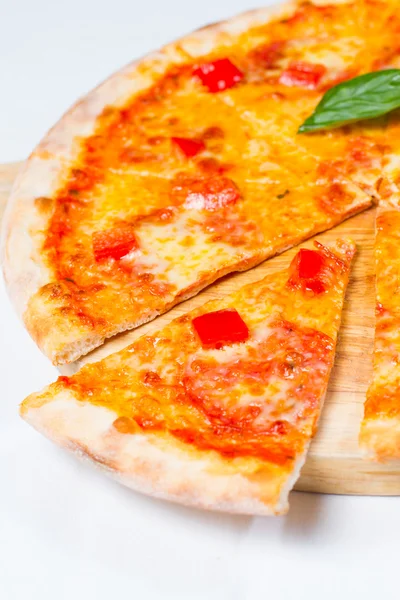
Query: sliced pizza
[
  {"x": 217, "y": 409},
  {"x": 380, "y": 430},
  {"x": 186, "y": 166}
]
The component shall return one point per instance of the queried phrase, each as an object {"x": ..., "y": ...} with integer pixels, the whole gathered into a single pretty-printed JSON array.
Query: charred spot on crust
[{"x": 43, "y": 204}]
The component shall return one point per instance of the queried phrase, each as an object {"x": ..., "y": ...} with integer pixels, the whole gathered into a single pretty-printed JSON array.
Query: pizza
[
  {"x": 380, "y": 429},
  {"x": 181, "y": 168},
  {"x": 217, "y": 409},
  {"x": 186, "y": 166}
]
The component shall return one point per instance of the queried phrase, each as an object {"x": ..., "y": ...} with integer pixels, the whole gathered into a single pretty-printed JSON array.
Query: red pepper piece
[
  {"x": 113, "y": 243},
  {"x": 308, "y": 271},
  {"x": 218, "y": 75},
  {"x": 207, "y": 194},
  {"x": 310, "y": 263},
  {"x": 215, "y": 329},
  {"x": 189, "y": 147},
  {"x": 301, "y": 74}
]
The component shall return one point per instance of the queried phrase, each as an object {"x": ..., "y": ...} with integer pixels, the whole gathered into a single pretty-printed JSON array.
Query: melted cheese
[
  {"x": 178, "y": 252},
  {"x": 290, "y": 186},
  {"x": 382, "y": 396},
  {"x": 258, "y": 399}
]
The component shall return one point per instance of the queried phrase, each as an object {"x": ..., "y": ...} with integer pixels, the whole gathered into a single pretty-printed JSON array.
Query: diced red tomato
[
  {"x": 310, "y": 263},
  {"x": 301, "y": 74},
  {"x": 308, "y": 271},
  {"x": 216, "y": 329},
  {"x": 113, "y": 243},
  {"x": 207, "y": 194},
  {"x": 189, "y": 147},
  {"x": 218, "y": 75}
]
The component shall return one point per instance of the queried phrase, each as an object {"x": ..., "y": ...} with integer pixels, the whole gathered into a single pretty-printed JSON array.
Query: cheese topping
[
  {"x": 231, "y": 118},
  {"x": 257, "y": 395}
]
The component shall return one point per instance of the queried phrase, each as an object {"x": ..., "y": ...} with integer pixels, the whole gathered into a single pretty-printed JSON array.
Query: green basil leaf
[{"x": 364, "y": 97}]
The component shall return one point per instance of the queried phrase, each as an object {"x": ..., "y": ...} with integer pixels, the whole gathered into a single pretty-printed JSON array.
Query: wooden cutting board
[{"x": 334, "y": 464}]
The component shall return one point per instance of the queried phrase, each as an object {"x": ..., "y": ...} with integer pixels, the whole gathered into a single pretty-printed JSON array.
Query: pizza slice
[
  {"x": 155, "y": 185},
  {"x": 380, "y": 429},
  {"x": 217, "y": 409}
]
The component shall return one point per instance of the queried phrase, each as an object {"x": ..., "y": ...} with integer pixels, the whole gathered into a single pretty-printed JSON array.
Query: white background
[{"x": 65, "y": 531}]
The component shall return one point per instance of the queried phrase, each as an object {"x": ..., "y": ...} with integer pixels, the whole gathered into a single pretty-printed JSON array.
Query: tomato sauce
[
  {"x": 203, "y": 405},
  {"x": 127, "y": 143}
]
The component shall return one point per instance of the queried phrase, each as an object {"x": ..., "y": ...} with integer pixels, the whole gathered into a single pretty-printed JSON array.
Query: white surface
[{"x": 65, "y": 531}]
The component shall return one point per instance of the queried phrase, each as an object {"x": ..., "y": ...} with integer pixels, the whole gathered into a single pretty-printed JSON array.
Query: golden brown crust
[
  {"x": 139, "y": 461},
  {"x": 25, "y": 270}
]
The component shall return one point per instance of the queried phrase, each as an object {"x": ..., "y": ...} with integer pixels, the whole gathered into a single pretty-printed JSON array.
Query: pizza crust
[
  {"x": 164, "y": 471},
  {"x": 158, "y": 462},
  {"x": 25, "y": 270}
]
